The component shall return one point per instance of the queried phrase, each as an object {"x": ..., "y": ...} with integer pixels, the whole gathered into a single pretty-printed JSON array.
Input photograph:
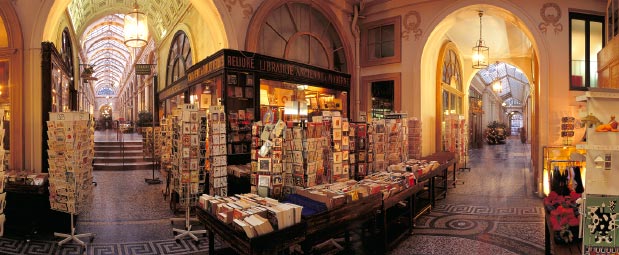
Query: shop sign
[
  {"x": 206, "y": 69},
  {"x": 173, "y": 90},
  {"x": 290, "y": 69},
  {"x": 142, "y": 69}
]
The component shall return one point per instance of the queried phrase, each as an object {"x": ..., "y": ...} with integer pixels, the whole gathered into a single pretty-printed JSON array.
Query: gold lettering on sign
[
  {"x": 241, "y": 62},
  {"x": 206, "y": 69}
]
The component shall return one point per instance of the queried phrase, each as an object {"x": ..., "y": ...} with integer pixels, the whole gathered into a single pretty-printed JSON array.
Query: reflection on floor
[{"x": 493, "y": 212}]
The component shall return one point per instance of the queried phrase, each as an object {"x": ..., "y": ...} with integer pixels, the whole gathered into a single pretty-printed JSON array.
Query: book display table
[
  {"x": 394, "y": 214},
  {"x": 270, "y": 243},
  {"x": 326, "y": 225},
  {"x": 446, "y": 160}
]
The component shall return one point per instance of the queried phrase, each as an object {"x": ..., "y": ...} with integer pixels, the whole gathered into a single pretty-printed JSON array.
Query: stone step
[
  {"x": 126, "y": 159},
  {"x": 120, "y": 167},
  {"x": 118, "y": 148},
  {"x": 108, "y": 143},
  {"x": 130, "y": 153}
]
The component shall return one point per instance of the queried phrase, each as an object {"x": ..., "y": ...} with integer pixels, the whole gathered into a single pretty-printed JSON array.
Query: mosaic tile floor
[{"x": 492, "y": 212}]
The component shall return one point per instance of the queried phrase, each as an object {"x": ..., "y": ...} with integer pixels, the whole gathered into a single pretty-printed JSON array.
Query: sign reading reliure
[{"x": 268, "y": 67}]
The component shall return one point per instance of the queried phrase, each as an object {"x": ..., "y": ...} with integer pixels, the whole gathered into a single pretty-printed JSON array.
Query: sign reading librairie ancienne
[
  {"x": 267, "y": 67},
  {"x": 142, "y": 69}
]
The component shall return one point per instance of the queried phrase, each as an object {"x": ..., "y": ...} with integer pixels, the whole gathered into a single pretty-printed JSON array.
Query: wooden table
[
  {"x": 270, "y": 243},
  {"x": 446, "y": 160},
  {"x": 326, "y": 225},
  {"x": 391, "y": 232}
]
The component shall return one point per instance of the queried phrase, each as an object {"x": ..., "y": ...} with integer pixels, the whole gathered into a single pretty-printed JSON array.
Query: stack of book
[
  {"x": 218, "y": 181},
  {"x": 252, "y": 214},
  {"x": 71, "y": 150},
  {"x": 414, "y": 138}
]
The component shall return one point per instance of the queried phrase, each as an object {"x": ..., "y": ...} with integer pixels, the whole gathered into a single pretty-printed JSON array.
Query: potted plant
[
  {"x": 495, "y": 133},
  {"x": 145, "y": 119}
]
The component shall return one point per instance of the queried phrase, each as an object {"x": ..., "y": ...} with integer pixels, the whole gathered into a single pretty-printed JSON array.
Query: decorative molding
[
  {"x": 248, "y": 10},
  {"x": 551, "y": 14},
  {"x": 411, "y": 23}
]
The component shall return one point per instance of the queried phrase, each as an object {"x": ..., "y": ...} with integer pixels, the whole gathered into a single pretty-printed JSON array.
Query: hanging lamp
[
  {"x": 136, "y": 28},
  {"x": 480, "y": 51}
]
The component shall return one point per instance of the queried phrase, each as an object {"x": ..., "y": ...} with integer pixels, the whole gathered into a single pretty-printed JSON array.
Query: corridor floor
[{"x": 493, "y": 212}]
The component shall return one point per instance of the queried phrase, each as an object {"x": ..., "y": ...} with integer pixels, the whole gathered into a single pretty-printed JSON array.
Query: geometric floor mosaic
[{"x": 9, "y": 246}]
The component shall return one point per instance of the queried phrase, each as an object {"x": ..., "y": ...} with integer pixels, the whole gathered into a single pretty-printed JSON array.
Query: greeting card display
[
  {"x": 71, "y": 151},
  {"x": 218, "y": 182},
  {"x": 188, "y": 153}
]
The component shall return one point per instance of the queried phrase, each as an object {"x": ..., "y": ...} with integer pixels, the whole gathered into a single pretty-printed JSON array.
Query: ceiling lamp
[
  {"x": 496, "y": 86},
  {"x": 480, "y": 51},
  {"x": 136, "y": 28}
]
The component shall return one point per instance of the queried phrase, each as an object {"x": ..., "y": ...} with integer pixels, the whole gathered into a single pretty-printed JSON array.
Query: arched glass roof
[
  {"x": 103, "y": 45},
  {"x": 514, "y": 83}
]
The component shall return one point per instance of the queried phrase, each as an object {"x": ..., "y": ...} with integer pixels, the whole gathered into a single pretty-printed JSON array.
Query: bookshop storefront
[{"x": 254, "y": 87}]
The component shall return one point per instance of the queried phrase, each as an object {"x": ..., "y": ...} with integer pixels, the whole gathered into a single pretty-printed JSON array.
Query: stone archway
[{"x": 427, "y": 70}]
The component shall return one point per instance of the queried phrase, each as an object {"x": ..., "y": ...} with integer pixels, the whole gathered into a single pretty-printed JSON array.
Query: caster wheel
[
  {"x": 196, "y": 242},
  {"x": 178, "y": 241}
]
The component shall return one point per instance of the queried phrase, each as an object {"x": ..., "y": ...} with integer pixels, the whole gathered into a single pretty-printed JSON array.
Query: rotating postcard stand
[
  {"x": 71, "y": 148},
  {"x": 182, "y": 233}
]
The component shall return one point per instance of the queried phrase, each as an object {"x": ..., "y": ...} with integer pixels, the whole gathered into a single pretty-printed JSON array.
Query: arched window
[
  {"x": 302, "y": 33},
  {"x": 449, "y": 88},
  {"x": 66, "y": 50},
  {"x": 179, "y": 58}
]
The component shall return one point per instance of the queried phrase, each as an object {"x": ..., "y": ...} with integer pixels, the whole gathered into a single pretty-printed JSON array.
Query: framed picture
[
  {"x": 250, "y": 80},
  {"x": 205, "y": 100},
  {"x": 264, "y": 164},
  {"x": 232, "y": 79}
]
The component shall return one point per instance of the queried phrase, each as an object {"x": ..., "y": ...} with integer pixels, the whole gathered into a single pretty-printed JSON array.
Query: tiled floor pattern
[{"x": 492, "y": 212}]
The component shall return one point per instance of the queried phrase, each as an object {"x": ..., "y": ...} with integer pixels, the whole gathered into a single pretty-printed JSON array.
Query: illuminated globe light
[{"x": 136, "y": 28}]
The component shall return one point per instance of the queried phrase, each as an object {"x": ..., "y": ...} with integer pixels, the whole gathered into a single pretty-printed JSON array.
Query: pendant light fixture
[
  {"x": 136, "y": 28},
  {"x": 480, "y": 51},
  {"x": 497, "y": 87}
]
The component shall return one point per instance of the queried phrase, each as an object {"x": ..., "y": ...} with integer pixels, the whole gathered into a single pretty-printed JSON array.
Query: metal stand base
[
  {"x": 73, "y": 236},
  {"x": 153, "y": 181},
  {"x": 187, "y": 231}
]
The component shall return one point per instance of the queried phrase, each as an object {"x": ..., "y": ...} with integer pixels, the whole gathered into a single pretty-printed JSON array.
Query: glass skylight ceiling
[
  {"x": 514, "y": 83},
  {"x": 103, "y": 44}
]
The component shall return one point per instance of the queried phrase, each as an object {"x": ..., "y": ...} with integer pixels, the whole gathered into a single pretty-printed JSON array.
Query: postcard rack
[{"x": 71, "y": 151}]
